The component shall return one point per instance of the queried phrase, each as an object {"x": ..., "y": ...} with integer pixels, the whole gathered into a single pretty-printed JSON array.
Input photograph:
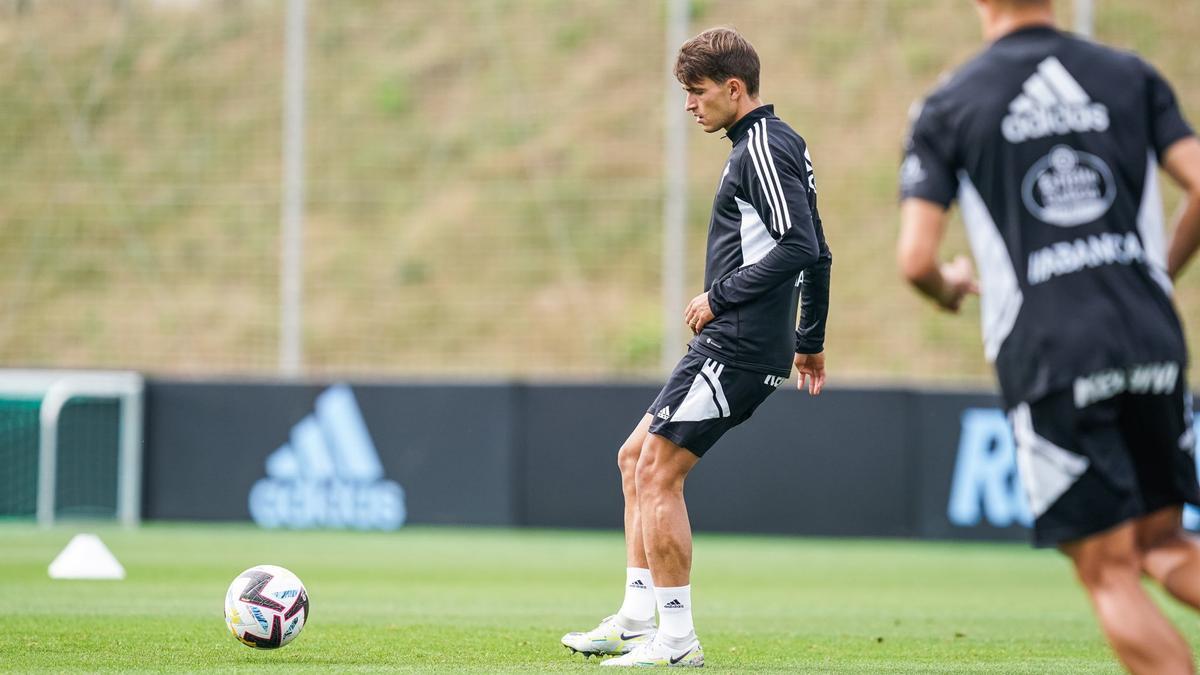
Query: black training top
[
  {"x": 1050, "y": 145},
  {"x": 764, "y": 233}
]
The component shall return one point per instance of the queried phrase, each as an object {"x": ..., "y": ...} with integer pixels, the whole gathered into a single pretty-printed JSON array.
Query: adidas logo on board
[{"x": 328, "y": 474}]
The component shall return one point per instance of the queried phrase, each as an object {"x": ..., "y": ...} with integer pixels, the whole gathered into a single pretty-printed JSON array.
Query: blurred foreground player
[
  {"x": 764, "y": 232},
  {"x": 1051, "y": 145}
]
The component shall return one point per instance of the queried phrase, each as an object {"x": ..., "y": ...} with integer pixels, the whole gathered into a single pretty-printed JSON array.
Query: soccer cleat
[
  {"x": 614, "y": 635},
  {"x": 663, "y": 652}
]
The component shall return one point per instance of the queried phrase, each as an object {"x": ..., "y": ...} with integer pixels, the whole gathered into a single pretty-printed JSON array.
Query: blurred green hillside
[{"x": 484, "y": 179}]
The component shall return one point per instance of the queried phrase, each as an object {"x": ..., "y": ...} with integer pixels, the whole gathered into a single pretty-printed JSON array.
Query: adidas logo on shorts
[{"x": 665, "y": 413}]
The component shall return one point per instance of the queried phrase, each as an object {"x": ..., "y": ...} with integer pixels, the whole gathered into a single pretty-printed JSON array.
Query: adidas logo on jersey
[
  {"x": 1052, "y": 104},
  {"x": 665, "y": 413}
]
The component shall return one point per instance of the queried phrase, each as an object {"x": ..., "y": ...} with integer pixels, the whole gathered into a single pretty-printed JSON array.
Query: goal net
[{"x": 70, "y": 445}]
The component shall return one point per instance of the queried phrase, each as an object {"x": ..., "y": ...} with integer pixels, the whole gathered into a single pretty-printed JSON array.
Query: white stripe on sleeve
[
  {"x": 770, "y": 160},
  {"x": 759, "y": 170}
]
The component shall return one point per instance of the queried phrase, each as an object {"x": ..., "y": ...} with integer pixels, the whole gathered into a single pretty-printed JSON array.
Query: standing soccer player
[
  {"x": 1051, "y": 146},
  {"x": 763, "y": 234}
]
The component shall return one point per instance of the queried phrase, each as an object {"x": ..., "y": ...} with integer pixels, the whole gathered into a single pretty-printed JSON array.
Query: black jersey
[
  {"x": 1050, "y": 145},
  {"x": 765, "y": 246}
]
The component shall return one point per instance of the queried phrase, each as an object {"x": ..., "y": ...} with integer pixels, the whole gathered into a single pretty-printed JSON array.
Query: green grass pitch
[{"x": 496, "y": 600}]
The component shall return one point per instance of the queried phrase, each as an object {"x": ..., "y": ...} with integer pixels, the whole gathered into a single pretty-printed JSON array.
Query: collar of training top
[
  {"x": 1035, "y": 29},
  {"x": 735, "y": 132}
]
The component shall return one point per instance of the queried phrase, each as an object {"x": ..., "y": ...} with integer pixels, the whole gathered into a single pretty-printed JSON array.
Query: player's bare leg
[
  {"x": 627, "y": 460},
  {"x": 666, "y": 530},
  {"x": 661, "y": 470},
  {"x": 1109, "y": 566},
  {"x": 1170, "y": 555},
  {"x": 633, "y": 624}
]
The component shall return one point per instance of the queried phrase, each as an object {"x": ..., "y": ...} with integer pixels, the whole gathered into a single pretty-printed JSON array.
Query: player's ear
[{"x": 736, "y": 89}]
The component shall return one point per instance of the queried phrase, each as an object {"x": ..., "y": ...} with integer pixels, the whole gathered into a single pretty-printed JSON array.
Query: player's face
[{"x": 711, "y": 104}]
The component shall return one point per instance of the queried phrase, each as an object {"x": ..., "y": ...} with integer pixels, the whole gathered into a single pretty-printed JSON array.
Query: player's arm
[
  {"x": 1182, "y": 162},
  {"x": 775, "y": 182},
  {"x": 810, "y": 334},
  {"x": 1179, "y": 152},
  {"x": 928, "y": 183},
  {"x": 814, "y": 304},
  {"x": 922, "y": 226}
]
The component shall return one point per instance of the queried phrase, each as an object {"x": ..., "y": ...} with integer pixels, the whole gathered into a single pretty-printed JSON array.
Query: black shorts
[
  {"x": 1088, "y": 469},
  {"x": 704, "y": 398}
]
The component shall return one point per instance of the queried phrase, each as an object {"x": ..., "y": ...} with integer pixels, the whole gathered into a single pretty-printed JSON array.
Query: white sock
[
  {"x": 674, "y": 611},
  {"x": 639, "y": 595}
]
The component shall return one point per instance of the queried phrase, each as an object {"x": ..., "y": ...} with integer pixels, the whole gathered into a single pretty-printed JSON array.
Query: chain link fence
[{"x": 484, "y": 179}]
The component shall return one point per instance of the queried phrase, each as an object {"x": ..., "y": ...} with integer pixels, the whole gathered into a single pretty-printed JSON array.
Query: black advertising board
[
  {"x": 967, "y": 486},
  {"x": 829, "y": 465},
  {"x": 306, "y": 455},
  {"x": 852, "y": 462}
]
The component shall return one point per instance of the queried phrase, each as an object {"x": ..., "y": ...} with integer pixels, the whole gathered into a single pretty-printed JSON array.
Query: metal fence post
[
  {"x": 292, "y": 203},
  {"x": 675, "y": 194},
  {"x": 1085, "y": 17}
]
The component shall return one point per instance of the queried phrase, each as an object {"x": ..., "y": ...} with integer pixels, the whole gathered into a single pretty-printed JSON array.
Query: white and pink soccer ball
[{"x": 266, "y": 607}]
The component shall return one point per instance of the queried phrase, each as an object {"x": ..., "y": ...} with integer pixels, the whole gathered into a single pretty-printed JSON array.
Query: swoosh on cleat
[
  {"x": 675, "y": 660},
  {"x": 630, "y": 637}
]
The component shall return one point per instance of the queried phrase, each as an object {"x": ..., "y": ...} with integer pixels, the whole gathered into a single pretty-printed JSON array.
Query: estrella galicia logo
[
  {"x": 986, "y": 487},
  {"x": 1068, "y": 188},
  {"x": 328, "y": 474}
]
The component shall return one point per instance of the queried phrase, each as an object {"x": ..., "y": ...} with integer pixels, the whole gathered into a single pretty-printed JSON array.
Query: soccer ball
[{"x": 266, "y": 607}]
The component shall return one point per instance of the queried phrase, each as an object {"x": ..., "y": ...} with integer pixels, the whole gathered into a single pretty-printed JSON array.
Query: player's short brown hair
[{"x": 718, "y": 54}]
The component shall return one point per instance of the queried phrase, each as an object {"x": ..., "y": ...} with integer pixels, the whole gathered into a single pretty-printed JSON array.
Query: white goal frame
[{"x": 56, "y": 388}]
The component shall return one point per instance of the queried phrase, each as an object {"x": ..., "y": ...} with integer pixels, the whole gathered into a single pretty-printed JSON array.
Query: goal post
[{"x": 55, "y": 393}]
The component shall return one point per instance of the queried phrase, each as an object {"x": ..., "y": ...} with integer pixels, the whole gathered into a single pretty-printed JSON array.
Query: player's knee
[
  {"x": 1153, "y": 547},
  {"x": 1162, "y": 543},
  {"x": 1163, "y": 555},
  {"x": 653, "y": 475},
  {"x": 627, "y": 459},
  {"x": 644, "y": 472},
  {"x": 1108, "y": 569},
  {"x": 1163, "y": 529}
]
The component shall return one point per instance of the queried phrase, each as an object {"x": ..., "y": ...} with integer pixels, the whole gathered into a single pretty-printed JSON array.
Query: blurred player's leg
[
  {"x": 633, "y": 623},
  {"x": 1170, "y": 555},
  {"x": 1109, "y": 566}
]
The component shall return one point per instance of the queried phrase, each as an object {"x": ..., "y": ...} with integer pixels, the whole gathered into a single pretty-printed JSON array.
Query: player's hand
[
  {"x": 698, "y": 313},
  {"x": 958, "y": 277},
  {"x": 811, "y": 370}
]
